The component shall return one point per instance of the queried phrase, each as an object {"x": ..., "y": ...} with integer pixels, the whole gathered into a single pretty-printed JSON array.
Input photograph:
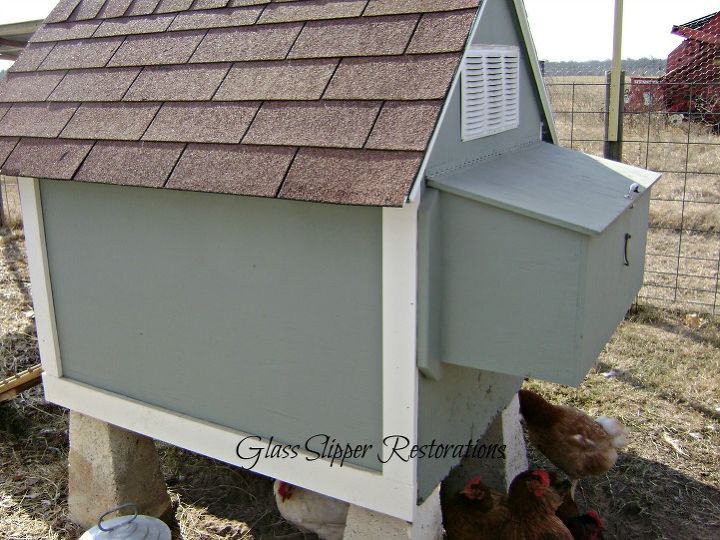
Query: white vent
[{"x": 490, "y": 90}]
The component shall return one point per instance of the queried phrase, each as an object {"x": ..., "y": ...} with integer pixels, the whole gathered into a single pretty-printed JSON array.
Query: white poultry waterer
[{"x": 131, "y": 527}]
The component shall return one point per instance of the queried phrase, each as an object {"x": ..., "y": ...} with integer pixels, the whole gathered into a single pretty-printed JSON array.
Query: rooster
[
  {"x": 477, "y": 512},
  {"x": 532, "y": 504},
  {"x": 570, "y": 439},
  {"x": 310, "y": 511}
]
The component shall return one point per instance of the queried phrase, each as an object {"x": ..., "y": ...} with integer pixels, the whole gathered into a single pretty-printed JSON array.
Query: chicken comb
[
  {"x": 543, "y": 475},
  {"x": 477, "y": 479},
  {"x": 596, "y": 518}
]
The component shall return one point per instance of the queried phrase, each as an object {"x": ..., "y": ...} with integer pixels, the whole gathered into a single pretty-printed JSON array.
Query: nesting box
[{"x": 269, "y": 233}]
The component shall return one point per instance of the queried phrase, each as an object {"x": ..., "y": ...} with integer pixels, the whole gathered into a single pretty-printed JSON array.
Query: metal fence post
[{"x": 613, "y": 149}]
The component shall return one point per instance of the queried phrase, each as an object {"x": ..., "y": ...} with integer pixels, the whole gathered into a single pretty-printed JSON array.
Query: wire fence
[
  {"x": 669, "y": 126},
  {"x": 10, "y": 214}
]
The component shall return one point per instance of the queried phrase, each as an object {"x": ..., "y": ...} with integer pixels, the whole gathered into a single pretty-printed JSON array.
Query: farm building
[
  {"x": 691, "y": 83},
  {"x": 308, "y": 223},
  {"x": 14, "y": 37}
]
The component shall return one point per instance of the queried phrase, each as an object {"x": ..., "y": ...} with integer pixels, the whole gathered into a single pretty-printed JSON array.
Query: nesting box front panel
[
  {"x": 541, "y": 253},
  {"x": 263, "y": 316},
  {"x": 509, "y": 288}
]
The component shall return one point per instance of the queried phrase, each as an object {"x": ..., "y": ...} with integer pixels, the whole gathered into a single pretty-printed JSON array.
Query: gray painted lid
[{"x": 552, "y": 184}]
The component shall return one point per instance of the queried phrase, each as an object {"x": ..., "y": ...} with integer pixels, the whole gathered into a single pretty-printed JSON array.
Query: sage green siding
[
  {"x": 256, "y": 314},
  {"x": 498, "y": 25}
]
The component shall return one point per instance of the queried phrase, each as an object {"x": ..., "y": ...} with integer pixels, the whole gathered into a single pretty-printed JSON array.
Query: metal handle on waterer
[{"x": 122, "y": 524}]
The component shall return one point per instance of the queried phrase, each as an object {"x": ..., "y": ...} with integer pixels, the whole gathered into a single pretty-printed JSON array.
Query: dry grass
[{"x": 667, "y": 381}]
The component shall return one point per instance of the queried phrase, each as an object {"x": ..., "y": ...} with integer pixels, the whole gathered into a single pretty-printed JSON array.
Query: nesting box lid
[{"x": 552, "y": 184}]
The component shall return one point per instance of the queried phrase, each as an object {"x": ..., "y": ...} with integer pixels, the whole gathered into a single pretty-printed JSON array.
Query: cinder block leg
[
  {"x": 496, "y": 472},
  {"x": 363, "y": 524},
  {"x": 110, "y": 466}
]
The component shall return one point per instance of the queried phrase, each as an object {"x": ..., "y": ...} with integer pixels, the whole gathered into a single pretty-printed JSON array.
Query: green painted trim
[{"x": 535, "y": 66}]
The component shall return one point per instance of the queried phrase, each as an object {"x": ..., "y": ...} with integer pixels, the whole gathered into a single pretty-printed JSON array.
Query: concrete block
[
  {"x": 110, "y": 466},
  {"x": 363, "y": 524},
  {"x": 496, "y": 473}
]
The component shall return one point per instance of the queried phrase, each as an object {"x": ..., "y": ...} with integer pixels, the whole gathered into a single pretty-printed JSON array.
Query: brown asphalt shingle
[
  {"x": 150, "y": 163},
  {"x": 64, "y": 31},
  {"x": 115, "y": 8},
  {"x": 387, "y": 7},
  {"x": 88, "y": 53},
  {"x": 142, "y": 7},
  {"x": 171, "y": 6},
  {"x": 404, "y": 126},
  {"x": 354, "y": 37},
  {"x": 209, "y": 4},
  {"x": 88, "y": 9},
  {"x": 32, "y": 57},
  {"x": 124, "y": 26},
  {"x": 320, "y": 100},
  {"x": 177, "y": 83},
  {"x": 341, "y": 124},
  {"x": 62, "y": 11},
  {"x": 46, "y": 158},
  {"x": 397, "y": 77},
  {"x": 289, "y": 80},
  {"x": 36, "y": 119},
  {"x": 312, "y": 10},
  {"x": 442, "y": 32},
  {"x": 6, "y": 146},
  {"x": 19, "y": 87},
  {"x": 216, "y": 18},
  {"x": 364, "y": 177},
  {"x": 94, "y": 84},
  {"x": 240, "y": 170},
  {"x": 202, "y": 122},
  {"x": 270, "y": 42},
  {"x": 157, "y": 49},
  {"x": 118, "y": 121}
]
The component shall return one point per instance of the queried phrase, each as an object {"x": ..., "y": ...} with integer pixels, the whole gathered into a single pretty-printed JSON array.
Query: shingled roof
[{"x": 318, "y": 100}]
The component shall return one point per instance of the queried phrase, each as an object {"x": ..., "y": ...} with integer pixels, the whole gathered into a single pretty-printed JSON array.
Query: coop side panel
[
  {"x": 498, "y": 25},
  {"x": 260, "y": 315},
  {"x": 456, "y": 411},
  {"x": 611, "y": 285},
  {"x": 509, "y": 290}
]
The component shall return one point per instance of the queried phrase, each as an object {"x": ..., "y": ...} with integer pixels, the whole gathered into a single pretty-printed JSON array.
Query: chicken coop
[{"x": 314, "y": 224}]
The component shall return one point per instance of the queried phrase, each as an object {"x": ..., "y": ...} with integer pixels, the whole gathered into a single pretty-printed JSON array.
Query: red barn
[
  {"x": 691, "y": 83},
  {"x": 692, "y": 78}
]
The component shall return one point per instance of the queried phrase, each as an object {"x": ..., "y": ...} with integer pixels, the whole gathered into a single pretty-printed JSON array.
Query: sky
[
  {"x": 583, "y": 29},
  {"x": 562, "y": 29}
]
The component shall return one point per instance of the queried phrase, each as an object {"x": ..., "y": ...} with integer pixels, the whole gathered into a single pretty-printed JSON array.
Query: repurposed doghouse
[{"x": 312, "y": 223}]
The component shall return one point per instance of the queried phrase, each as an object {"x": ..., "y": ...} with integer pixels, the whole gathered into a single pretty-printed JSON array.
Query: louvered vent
[{"x": 490, "y": 86}]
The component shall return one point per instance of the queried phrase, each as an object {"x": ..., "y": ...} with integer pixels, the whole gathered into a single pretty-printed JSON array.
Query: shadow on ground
[{"x": 644, "y": 499}]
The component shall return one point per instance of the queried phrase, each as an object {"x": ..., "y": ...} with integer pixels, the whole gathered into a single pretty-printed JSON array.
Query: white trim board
[
  {"x": 39, "y": 275},
  {"x": 358, "y": 486},
  {"x": 400, "y": 373}
]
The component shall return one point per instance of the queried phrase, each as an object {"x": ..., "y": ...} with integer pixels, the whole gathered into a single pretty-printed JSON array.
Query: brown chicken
[
  {"x": 582, "y": 527},
  {"x": 569, "y": 438},
  {"x": 532, "y": 504},
  {"x": 477, "y": 512},
  {"x": 568, "y": 507}
]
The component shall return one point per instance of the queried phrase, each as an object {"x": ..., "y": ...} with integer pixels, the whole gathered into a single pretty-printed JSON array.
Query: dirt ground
[{"x": 660, "y": 375}]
